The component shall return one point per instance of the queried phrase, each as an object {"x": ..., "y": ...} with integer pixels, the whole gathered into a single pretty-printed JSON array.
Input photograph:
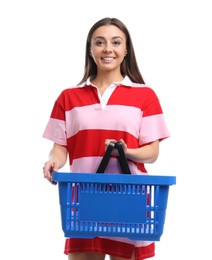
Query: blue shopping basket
[{"x": 113, "y": 205}]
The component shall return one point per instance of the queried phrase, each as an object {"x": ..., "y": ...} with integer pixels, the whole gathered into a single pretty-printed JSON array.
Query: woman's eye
[
  {"x": 116, "y": 43},
  {"x": 99, "y": 43}
]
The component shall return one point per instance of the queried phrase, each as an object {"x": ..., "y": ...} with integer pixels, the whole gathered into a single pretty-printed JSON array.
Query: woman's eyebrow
[{"x": 114, "y": 37}]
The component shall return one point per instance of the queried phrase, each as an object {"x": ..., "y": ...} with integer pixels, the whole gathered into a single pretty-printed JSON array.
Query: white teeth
[{"x": 108, "y": 59}]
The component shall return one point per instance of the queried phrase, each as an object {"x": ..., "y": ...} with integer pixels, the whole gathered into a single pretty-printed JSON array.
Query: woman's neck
[{"x": 104, "y": 80}]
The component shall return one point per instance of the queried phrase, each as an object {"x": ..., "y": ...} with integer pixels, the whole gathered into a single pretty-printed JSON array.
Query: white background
[{"x": 42, "y": 48}]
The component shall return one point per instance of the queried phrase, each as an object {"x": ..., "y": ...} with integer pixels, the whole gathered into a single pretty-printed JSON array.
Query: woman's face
[{"x": 108, "y": 47}]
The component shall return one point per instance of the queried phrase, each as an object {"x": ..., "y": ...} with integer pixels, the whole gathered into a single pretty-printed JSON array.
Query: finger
[{"x": 52, "y": 182}]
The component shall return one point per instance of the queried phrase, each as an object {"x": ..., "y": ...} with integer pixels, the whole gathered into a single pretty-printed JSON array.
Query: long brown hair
[{"x": 129, "y": 66}]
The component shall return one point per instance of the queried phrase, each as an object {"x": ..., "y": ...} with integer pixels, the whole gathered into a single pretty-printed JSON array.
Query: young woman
[{"x": 111, "y": 103}]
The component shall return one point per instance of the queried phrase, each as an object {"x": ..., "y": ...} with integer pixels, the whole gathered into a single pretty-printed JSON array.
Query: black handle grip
[{"x": 122, "y": 158}]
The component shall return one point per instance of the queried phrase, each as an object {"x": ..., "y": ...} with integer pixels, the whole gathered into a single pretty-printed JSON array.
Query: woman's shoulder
[
  {"x": 71, "y": 89},
  {"x": 141, "y": 85}
]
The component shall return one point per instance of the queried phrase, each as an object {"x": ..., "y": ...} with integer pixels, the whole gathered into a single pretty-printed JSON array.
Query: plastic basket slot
[
  {"x": 112, "y": 203},
  {"x": 113, "y": 228},
  {"x": 133, "y": 231}
]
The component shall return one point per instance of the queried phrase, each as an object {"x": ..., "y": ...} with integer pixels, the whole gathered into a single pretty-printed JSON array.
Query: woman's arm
[
  {"x": 145, "y": 154},
  {"x": 57, "y": 159}
]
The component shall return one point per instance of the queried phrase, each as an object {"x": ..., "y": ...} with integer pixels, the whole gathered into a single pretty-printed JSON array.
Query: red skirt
[{"x": 108, "y": 247}]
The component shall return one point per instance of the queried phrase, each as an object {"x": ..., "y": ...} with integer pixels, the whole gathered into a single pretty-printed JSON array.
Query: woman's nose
[{"x": 107, "y": 48}]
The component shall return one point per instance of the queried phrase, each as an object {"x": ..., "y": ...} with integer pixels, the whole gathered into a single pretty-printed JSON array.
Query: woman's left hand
[{"x": 115, "y": 152}]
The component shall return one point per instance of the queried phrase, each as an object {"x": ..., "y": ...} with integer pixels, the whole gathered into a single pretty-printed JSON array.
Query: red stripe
[
  {"x": 79, "y": 96},
  {"x": 109, "y": 247},
  {"x": 92, "y": 142},
  {"x": 141, "y": 97}
]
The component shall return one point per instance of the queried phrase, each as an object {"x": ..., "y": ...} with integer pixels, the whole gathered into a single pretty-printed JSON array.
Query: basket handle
[{"x": 122, "y": 158}]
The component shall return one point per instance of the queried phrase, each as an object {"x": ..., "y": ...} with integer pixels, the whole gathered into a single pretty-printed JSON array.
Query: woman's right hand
[
  {"x": 49, "y": 167},
  {"x": 58, "y": 157}
]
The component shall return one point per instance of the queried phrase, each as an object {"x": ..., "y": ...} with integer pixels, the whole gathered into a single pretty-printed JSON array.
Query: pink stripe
[
  {"x": 55, "y": 131},
  {"x": 90, "y": 165},
  {"x": 113, "y": 117},
  {"x": 153, "y": 128}
]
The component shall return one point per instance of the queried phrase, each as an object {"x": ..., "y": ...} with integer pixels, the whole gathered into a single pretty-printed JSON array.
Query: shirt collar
[{"x": 125, "y": 82}]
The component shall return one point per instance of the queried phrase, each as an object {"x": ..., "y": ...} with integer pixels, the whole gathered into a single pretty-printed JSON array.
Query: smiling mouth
[{"x": 108, "y": 59}]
